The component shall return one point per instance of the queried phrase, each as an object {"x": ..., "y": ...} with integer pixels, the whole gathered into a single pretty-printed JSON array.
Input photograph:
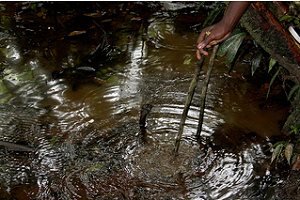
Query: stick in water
[
  {"x": 188, "y": 102},
  {"x": 204, "y": 90}
]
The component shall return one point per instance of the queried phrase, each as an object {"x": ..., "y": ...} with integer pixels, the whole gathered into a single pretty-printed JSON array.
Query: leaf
[
  {"x": 97, "y": 14},
  {"x": 231, "y": 45},
  {"x": 255, "y": 61},
  {"x": 272, "y": 81},
  {"x": 227, "y": 44},
  {"x": 274, "y": 145},
  {"x": 296, "y": 87},
  {"x": 96, "y": 150},
  {"x": 297, "y": 97},
  {"x": 187, "y": 60},
  {"x": 2, "y": 88},
  {"x": 288, "y": 152},
  {"x": 137, "y": 18},
  {"x": 296, "y": 165},
  {"x": 271, "y": 64},
  {"x": 95, "y": 167},
  {"x": 76, "y": 33},
  {"x": 213, "y": 14},
  {"x": 287, "y": 18},
  {"x": 53, "y": 140},
  {"x": 294, "y": 129},
  {"x": 276, "y": 152},
  {"x": 294, "y": 158},
  {"x": 234, "y": 49},
  {"x": 200, "y": 5}
]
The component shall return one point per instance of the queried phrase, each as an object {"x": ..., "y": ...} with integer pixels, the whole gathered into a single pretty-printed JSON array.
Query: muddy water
[{"x": 84, "y": 135}]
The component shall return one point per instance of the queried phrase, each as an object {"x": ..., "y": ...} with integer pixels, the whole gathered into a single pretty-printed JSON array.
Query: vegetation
[{"x": 235, "y": 48}]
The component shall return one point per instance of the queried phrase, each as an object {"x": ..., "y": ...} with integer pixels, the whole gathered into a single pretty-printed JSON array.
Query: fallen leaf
[
  {"x": 137, "y": 18},
  {"x": 42, "y": 15},
  {"x": 53, "y": 140},
  {"x": 76, "y": 33},
  {"x": 288, "y": 152},
  {"x": 95, "y": 168},
  {"x": 97, "y": 14},
  {"x": 296, "y": 165}
]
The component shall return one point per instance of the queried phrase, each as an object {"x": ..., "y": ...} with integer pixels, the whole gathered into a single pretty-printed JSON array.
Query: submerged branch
[
  {"x": 188, "y": 102},
  {"x": 204, "y": 90}
]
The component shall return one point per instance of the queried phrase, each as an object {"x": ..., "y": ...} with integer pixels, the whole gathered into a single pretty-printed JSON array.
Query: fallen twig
[
  {"x": 188, "y": 102},
  {"x": 204, "y": 90}
]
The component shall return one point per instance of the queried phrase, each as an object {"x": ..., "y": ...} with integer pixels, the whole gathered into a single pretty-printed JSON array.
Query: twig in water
[
  {"x": 188, "y": 103},
  {"x": 204, "y": 90}
]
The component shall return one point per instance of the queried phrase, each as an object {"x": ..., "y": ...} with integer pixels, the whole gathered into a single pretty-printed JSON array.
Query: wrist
[{"x": 225, "y": 27}]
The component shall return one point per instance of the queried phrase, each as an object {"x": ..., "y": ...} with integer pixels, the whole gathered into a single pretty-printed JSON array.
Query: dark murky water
[{"x": 84, "y": 132}]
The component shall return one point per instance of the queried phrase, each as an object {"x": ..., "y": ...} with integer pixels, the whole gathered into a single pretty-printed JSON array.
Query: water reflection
[
  {"x": 12, "y": 54},
  {"x": 86, "y": 139}
]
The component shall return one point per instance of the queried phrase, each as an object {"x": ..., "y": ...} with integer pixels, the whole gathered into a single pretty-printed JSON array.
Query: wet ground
[{"x": 74, "y": 77}]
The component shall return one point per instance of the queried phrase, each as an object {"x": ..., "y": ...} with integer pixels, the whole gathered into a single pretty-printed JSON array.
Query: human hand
[{"x": 210, "y": 36}]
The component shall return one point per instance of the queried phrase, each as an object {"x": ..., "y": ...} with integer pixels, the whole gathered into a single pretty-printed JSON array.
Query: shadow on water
[{"x": 69, "y": 112}]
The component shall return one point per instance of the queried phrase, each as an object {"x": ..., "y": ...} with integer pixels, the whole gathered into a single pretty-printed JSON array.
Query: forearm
[{"x": 234, "y": 12}]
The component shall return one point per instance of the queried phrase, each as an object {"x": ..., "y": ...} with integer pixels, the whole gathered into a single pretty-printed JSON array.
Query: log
[{"x": 264, "y": 27}]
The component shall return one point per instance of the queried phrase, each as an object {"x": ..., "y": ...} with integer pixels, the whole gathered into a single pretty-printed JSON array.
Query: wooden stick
[
  {"x": 188, "y": 102},
  {"x": 204, "y": 90}
]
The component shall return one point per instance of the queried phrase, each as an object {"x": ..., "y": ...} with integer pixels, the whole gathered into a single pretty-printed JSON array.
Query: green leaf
[
  {"x": 271, "y": 64},
  {"x": 274, "y": 145},
  {"x": 53, "y": 140},
  {"x": 200, "y": 5},
  {"x": 276, "y": 152},
  {"x": 2, "y": 88},
  {"x": 6, "y": 21},
  {"x": 213, "y": 18},
  {"x": 213, "y": 14},
  {"x": 294, "y": 129},
  {"x": 95, "y": 167},
  {"x": 294, "y": 158},
  {"x": 295, "y": 88},
  {"x": 233, "y": 51},
  {"x": 287, "y": 18},
  {"x": 297, "y": 97},
  {"x": 256, "y": 61},
  {"x": 96, "y": 150},
  {"x": 272, "y": 81},
  {"x": 288, "y": 152},
  {"x": 231, "y": 46},
  {"x": 226, "y": 45},
  {"x": 187, "y": 60}
]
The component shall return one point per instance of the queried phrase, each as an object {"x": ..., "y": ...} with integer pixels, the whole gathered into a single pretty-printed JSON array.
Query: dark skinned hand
[
  {"x": 221, "y": 30},
  {"x": 218, "y": 33}
]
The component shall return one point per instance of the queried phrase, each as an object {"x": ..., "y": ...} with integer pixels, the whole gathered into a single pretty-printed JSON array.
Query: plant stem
[
  {"x": 188, "y": 102},
  {"x": 204, "y": 90}
]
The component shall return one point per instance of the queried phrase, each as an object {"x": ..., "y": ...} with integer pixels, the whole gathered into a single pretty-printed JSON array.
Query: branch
[
  {"x": 188, "y": 103},
  {"x": 204, "y": 90}
]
